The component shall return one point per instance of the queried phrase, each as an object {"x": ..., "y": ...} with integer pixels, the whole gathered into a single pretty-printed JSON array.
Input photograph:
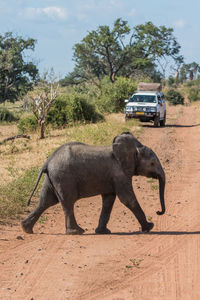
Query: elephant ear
[{"x": 124, "y": 150}]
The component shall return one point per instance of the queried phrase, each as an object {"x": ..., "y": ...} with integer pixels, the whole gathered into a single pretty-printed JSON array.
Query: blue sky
[{"x": 58, "y": 24}]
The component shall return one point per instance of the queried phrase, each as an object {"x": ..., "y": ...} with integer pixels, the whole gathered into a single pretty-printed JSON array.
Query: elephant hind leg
[
  {"x": 47, "y": 199},
  {"x": 107, "y": 205},
  {"x": 70, "y": 222},
  {"x": 71, "y": 225}
]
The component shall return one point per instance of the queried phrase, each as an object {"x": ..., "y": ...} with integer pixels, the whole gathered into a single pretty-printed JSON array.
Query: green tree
[
  {"x": 122, "y": 51},
  {"x": 157, "y": 44},
  {"x": 16, "y": 74},
  {"x": 105, "y": 51}
]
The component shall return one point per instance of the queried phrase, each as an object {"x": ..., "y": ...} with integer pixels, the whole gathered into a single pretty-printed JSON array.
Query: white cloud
[
  {"x": 179, "y": 23},
  {"x": 51, "y": 12},
  {"x": 54, "y": 12}
]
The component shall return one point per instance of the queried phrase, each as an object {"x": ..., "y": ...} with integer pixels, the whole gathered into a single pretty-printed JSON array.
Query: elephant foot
[
  {"x": 147, "y": 227},
  {"x": 102, "y": 230},
  {"x": 26, "y": 228},
  {"x": 75, "y": 231}
]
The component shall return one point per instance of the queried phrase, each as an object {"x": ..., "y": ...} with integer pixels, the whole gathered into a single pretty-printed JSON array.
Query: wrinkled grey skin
[{"x": 77, "y": 170}]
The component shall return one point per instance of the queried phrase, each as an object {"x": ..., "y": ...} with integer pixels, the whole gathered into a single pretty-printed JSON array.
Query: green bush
[
  {"x": 73, "y": 108},
  {"x": 80, "y": 109},
  {"x": 114, "y": 94},
  {"x": 193, "y": 94},
  {"x": 174, "y": 97},
  {"x": 27, "y": 124},
  {"x": 6, "y": 115},
  {"x": 57, "y": 116}
]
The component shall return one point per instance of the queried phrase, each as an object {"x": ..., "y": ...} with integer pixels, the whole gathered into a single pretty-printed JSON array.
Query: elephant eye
[{"x": 152, "y": 164}]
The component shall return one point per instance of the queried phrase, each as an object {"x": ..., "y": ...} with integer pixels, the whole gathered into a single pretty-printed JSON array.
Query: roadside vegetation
[{"x": 86, "y": 105}]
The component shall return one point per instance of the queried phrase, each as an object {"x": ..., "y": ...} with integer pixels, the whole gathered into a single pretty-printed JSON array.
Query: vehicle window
[{"x": 143, "y": 98}]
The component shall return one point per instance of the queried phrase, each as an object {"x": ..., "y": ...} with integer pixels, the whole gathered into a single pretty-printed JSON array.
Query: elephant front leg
[
  {"x": 107, "y": 204},
  {"x": 139, "y": 214},
  {"x": 128, "y": 198}
]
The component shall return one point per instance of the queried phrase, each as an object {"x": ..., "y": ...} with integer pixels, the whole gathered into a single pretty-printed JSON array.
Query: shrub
[
  {"x": 27, "y": 124},
  {"x": 73, "y": 108},
  {"x": 80, "y": 109},
  {"x": 174, "y": 97},
  {"x": 193, "y": 94},
  {"x": 57, "y": 116},
  {"x": 6, "y": 115},
  {"x": 114, "y": 94}
]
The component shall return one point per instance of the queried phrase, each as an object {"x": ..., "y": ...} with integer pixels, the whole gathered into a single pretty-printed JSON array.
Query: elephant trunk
[{"x": 161, "y": 192}]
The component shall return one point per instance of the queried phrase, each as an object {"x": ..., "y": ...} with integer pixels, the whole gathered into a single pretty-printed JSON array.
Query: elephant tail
[{"x": 43, "y": 170}]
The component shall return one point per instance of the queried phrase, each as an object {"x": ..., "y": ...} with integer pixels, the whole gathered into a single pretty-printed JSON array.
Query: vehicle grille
[{"x": 141, "y": 108}]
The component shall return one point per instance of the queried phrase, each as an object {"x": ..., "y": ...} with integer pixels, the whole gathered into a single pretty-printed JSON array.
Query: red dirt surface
[{"x": 127, "y": 264}]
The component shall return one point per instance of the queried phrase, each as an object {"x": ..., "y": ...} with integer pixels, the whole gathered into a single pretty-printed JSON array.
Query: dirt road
[{"x": 163, "y": 264}]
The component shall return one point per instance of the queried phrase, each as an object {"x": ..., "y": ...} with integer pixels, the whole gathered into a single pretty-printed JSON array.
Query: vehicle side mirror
[{"x": 126, "y": 100}]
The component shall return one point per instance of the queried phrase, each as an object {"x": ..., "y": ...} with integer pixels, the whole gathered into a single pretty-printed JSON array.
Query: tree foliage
[
  {"x": 103, "y": 52},
  {"x": 16, "y": 74},
  {"x": 158, "y": 44},
  {"x": 122, "y": 51}
]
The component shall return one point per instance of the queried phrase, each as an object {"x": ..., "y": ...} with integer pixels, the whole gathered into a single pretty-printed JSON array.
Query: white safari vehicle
[{"x": 147, "y": 105}]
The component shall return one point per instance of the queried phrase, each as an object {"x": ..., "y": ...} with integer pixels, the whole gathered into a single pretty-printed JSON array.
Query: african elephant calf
[{"x": 76, "y": 170}]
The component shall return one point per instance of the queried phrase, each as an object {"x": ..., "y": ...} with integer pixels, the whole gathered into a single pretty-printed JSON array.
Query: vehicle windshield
[{"x": 143, "y": 98}]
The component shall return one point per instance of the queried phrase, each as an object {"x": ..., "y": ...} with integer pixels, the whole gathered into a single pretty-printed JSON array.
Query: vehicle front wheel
[
  {"x": 162, "y": 122},
  {"x": 126, "y": 118},
  {"x": 156, "y": 121}
]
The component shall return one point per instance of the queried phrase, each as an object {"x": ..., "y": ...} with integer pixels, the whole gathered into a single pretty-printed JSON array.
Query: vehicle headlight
[
  {"x": 152, "y": 109},
  {"x": 129, "y": 108}
]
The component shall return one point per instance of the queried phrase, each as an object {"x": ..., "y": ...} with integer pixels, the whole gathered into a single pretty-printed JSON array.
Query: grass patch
[
  {"x": 155, "y": 187},
  {"x": 101, "y": 133},
  {"x": 134, "y": 263},
  {"x": 14, "y": 196}
]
